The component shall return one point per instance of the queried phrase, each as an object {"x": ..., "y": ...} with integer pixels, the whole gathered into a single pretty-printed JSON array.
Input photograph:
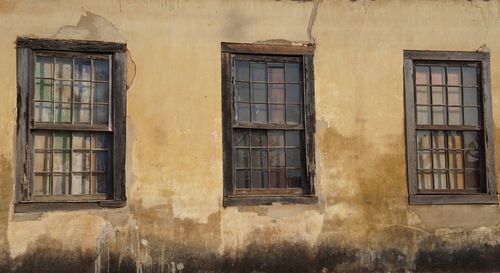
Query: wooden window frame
[
  {"x": 489, "y": 196},
  {"x": 26, "y": 50},
  {"x": 306, "y": 53}
]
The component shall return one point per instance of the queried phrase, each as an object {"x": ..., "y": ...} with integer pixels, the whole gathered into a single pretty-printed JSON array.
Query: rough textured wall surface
[{"x": 174, "y": 220}]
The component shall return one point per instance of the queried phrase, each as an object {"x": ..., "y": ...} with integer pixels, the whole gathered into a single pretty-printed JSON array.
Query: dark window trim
[
  {"x": 228, "y": 51},
  {"x": 489, "y": 196},
  {"x": 26, "y": 48}
]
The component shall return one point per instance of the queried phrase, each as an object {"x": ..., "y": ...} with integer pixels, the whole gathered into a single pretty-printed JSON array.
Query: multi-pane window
[
  {"x": 448, "y": 118},
  {"x": 266, "y": 114},
  {"x": 72, "y": 91},
  {"x": 71, "y": 123}
]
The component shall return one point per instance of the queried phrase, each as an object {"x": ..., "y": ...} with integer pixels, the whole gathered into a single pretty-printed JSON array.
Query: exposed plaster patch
[
  {"x": 131, "y": 69},
  {"x": 91, "y": 27}
]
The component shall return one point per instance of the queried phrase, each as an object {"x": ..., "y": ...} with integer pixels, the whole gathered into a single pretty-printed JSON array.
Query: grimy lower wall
[{"x": 174, "y": 220}]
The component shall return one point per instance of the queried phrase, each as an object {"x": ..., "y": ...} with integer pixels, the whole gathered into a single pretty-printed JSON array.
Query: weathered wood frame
[
  {"x": 267, "y": 52},
  {"x": 490, "y": 194},
  {"x": 26, "y": 49}
]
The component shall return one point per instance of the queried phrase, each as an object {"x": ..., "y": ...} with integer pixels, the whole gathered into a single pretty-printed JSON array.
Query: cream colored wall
[{"x": 174, "y": 151}]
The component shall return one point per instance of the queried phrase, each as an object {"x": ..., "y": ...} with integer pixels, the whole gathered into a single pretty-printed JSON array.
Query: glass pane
[
  {"x": 242, "y": 138},
  {"x": 470, "y": 75},
  {"x": 276, "y": 157},
  {"x": 258, "y": 72},
  {"x": 293, "y": 114},
  {"x": 424, "y": 180},
  {"x": 100, "y": 140},
  {"x": 438, "y": 140},
  {"x": 472, "y": 160},
  {"x": 470, "y": 96},
  {"x": 423, "y": 139},
  {"x": 42, "y": 184},
  {"x": 453, "y": 75},
  {"x": 101, "y": 183},
  {"x": 438, "y": 95},
  {"x": 242, "y": 71},
  {"x": 61, "y": 184},
  {"x": 277, "y": 178},
  {"x": 101, "y": 70},
  {"x": 455, "y": 160},
  {"x": 62, "y": 162},
  {"x": 293, "y": 72},
  {"x": 423, "y": 95},
  {"x": 424, "y": 160},
  {"x": 43, "y": 112},
  {"x": 439, "y": 160},
  {"x": 100, "y": 115},
  {"x": 62, "y": 112},
  {"x": 277, "y": 113},
  {"x": 454, "y": 116},
  {"x": 62, "y": 91},
  {"x": 81, "y": 141},
  {"x": 454, "y": 140},
  {"x": 293, "y": 93},
  {"x": 259, "y": 138},
  {"x": 259, "y": 158},
  {"x": 81, "y": 162},
  {"x": 454, "y": 96},
  {"x": 243, "y": 112},
  {"x": 242, "y": 158},
  {"x": 471, "y": 140},
  {"x": 62, "y": 141},
  {"x": 81, "y": 113},
  {"x": 82, "y": 91},
  {"x": 457, "y": 180},
  {"x": 438, "y": 77},
  {"x": 43, "y": 140},
  {"x": 43, "y": 89},
  {"x": 63, "y": 68},
  {"x": 292, "y": 138},
  {"x": 294, "y": 178},
  {"x": 276, "y": 139},
  {"x": 100, "y": 161},
  {"x": 276, "y": 73},
  {"x": 42, "y": 162},
  {"x": 242, "y": 91},
  {"x": 277, "y": 93},
  {"x": 259, "y": 113},
  {"x": 473, "y": 180},
  {"x": 259, "y": 92},
  {"x": 438, "y": 115},
  {"x": 423, "y": 115},
  {"x": 260, "y": 179},
  {"x": 101, "y": 92},
  {"x": 471, "y": 116},
  {"x": 293, "y": 158},
  {"x": 43, "y": 67},
  {"x": 421, "y": 75},
  {"x": 242, "y": 179},
  {"x": 439, "y": 180},
  {"x": 80, "y": 184},
  {"x": 82, "y": 69}
]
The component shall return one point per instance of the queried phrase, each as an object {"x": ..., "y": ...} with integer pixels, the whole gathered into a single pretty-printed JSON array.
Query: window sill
[
  {"x": 440, "y": 199},
  {"x": 239, "y": 200},
  {"x": 66, "y": 206}
]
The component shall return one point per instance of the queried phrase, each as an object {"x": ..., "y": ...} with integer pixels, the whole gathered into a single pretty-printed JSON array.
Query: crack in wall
[{"x": 312, "y": 21}]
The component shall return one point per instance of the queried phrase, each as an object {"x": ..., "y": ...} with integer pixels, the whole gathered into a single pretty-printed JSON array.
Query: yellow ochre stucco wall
[{"x": 174, "y": 211}]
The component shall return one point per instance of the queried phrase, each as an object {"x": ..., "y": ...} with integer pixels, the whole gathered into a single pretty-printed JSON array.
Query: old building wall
[{"x": 174, "y": 212}]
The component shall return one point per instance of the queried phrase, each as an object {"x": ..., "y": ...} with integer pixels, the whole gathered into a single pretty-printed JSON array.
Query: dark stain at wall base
[{"x": 284, "y": 257}]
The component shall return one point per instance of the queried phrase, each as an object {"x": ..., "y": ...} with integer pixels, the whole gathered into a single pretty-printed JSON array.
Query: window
[
  {"x": 268, "y": 123},
  {"x": 450, "y": 150},
  {"x": 71, "y": 124}
]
